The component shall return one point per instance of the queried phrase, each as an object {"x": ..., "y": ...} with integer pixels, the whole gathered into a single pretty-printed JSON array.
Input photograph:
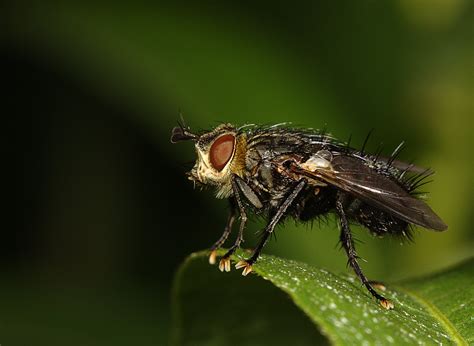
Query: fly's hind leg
[
  {"x": 378, "y": 285},
  {"x": 348, "y": 245},
  {"x": 227, "y": 230}
]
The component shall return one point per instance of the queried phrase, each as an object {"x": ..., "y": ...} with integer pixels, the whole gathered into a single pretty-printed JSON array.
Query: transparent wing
[{"x": 353, "y": 176}]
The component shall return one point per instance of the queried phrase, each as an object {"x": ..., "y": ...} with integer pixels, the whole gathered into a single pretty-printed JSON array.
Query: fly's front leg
[
  {"x": 247, "y": 264},
  {"x": 227, "y": 230},
  {"x": 224, "y": 263},
  {"x": 348, "y": 245}
]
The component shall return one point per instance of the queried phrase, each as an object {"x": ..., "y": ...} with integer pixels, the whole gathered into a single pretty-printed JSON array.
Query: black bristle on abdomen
[{"x": 381, "y": 223}]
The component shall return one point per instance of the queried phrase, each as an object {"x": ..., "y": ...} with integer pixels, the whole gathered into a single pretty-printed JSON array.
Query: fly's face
[{"x": 215, "y": 152}]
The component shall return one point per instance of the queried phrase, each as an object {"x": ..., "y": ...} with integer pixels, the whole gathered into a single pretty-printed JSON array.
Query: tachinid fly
[{"x": 278, "y": 172}]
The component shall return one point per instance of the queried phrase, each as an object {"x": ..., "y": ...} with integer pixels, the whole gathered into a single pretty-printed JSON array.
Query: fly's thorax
[{"x": 220, "y": 154}]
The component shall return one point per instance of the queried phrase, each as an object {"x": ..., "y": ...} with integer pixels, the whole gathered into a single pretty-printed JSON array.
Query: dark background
[{"x": 99, "y": 213}]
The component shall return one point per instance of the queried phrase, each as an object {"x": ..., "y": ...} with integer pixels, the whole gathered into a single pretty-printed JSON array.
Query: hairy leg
[
  {"x": 224, "y": 263},
  {"x": 247, "y": 264},
  {"x": 227, "y": 230},
  {"x": 348, "y": 245}
]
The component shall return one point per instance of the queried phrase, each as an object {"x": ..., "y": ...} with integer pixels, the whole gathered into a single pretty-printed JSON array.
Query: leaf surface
[{"x": 216, "y": 308}]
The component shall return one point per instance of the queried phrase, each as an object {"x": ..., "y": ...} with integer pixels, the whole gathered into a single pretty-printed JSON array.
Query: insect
[{"x": 280, "y": 172}]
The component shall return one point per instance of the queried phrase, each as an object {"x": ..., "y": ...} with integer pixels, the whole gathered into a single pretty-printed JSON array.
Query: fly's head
[{"x": 217, "y": 153}]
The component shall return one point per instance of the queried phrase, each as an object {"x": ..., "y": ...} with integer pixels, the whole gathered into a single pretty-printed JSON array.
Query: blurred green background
[{"x": 99, "y": 212}]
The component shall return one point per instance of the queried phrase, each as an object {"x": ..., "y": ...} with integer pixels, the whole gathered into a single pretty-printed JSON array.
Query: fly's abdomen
[
  {"x": 378, "y": 221},
  {"x": 315, "y": 202}
]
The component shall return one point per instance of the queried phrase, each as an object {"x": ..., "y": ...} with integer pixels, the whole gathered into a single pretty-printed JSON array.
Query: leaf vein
[{"x": 437, "y": 314}]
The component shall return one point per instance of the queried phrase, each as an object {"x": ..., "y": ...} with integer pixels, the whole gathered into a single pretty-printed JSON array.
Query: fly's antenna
[
  {"x": 182, "y": 132},
  {"x": 181, "y": 122}
]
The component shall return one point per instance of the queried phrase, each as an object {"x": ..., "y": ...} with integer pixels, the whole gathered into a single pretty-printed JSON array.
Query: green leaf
[{"x": 214, "y": 308}]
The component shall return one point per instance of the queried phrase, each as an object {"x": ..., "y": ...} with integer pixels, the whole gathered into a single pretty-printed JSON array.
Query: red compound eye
[{"x": 221, "y": 151}]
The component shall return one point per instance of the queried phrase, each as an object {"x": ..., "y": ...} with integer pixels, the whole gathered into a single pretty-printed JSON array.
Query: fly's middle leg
[{"x": 281, "y": 210}]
